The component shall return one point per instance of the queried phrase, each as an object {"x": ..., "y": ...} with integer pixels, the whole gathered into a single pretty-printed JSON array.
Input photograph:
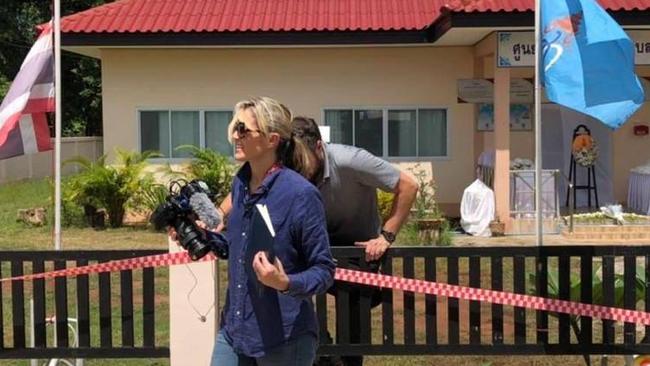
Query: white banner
[{"x": 517, "y": 49}]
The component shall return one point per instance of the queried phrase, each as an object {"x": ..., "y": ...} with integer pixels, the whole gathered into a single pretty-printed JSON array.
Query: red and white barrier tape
[
  {"x": 158, "y": 260},
  {"x": 491, "y": 296},
  {"x": 379, "y": 280}
]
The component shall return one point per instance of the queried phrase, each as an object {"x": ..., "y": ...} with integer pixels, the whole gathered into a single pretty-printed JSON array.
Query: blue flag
[{"x": 588, "y": 61}]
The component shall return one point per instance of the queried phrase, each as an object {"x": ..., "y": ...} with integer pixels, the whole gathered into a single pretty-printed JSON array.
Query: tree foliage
[{"x": 81, "y": 78}]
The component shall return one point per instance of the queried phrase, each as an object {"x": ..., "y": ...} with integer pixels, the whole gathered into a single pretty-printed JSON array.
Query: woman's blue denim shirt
[{"x": 257, "y": 318}]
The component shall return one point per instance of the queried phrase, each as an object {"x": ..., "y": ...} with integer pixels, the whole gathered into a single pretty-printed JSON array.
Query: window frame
[
  {"x": 169, "y": 110},
  {"x": 385, "y": 110}
]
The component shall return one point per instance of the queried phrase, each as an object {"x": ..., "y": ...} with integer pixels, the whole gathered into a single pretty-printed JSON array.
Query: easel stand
[{"x": 591, "y": 173}]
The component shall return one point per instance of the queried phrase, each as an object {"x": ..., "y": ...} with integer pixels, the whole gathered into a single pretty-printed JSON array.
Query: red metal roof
[
  {"x": 126, "y": 16},
  {"x": 175, "y": 16}
]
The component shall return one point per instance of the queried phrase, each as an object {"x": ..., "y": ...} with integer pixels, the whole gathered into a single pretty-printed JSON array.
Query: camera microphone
[{"x": 205, "y": 209}]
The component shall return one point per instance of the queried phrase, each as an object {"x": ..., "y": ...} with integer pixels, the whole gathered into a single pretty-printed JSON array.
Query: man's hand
[
  {"x": 375, "y": 248},
  {"x": 272, "y": 275}
]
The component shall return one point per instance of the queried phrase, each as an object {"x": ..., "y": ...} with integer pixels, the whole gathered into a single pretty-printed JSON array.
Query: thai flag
[{"x": 23, "y": 124}]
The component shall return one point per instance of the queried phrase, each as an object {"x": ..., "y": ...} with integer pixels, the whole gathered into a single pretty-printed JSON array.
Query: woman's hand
[{"x": 271, "y": 275}]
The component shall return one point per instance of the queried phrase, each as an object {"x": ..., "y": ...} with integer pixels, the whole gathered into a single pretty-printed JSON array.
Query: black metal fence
[
  {"x": 406, "y": 323},
  {"x": 91, "y": 303},
  {"x": 116, "y": 313}
]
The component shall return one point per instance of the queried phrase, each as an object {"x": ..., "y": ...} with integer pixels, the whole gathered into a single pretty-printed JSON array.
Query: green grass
[
  {"x": 15, "y": 196},
  {"x": 19, "y": 236}
]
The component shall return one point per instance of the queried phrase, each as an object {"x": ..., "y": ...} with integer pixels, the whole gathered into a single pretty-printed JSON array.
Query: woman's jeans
[{"x": 298, "y": 352}]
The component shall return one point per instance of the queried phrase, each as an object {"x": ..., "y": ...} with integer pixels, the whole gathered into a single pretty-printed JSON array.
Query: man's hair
[{"x": 306, "y": 129}]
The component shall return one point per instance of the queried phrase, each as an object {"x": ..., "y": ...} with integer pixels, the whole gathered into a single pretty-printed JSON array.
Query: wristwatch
[{"x": 389, "y": 236}]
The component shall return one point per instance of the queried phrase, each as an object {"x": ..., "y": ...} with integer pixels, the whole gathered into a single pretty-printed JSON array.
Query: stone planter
[
  {"x": 429, "y": 230},
  {"x": 498, "y": 228}
]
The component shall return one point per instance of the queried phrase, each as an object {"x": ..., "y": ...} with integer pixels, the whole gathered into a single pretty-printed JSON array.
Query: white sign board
[
  {"x": 482, "y": 91},
  {"x": 517, "y": 49},
  {"x": 641, "y": 39}
]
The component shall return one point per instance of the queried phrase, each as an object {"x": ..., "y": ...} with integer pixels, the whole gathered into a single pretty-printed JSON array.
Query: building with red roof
[{"x": 382, "y": 74}]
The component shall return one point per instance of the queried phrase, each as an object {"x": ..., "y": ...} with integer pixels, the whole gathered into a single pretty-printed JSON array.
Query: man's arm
[{"x": 405, "y": 191}]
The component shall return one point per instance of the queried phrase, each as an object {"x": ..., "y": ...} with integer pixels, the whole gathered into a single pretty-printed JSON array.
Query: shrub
[
  {"x": 384, "y": 204},
  {"x": 446, "y": 236},
  {"x": 425, "y": 202},
  {"x": 111, "y": 187},
  {"x": 213, "y": 168},
  {"x": 71, "y": 213}
]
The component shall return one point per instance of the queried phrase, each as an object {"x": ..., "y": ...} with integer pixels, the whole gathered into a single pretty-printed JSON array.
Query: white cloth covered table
[
  {"x": 638, "y": 193},
  {"x": 477, "y": 209},
  {"x": 522, "y": 193}
]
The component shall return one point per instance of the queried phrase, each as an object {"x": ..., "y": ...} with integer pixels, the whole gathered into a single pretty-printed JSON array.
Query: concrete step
[
  {"x": 611, "y": 228},
  {"x": 610, "y": 233},
  {"x": 528, "y": 226}
]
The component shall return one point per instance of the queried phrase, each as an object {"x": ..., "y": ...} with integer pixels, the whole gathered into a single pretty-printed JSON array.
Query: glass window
[
  {"x": 340, "y": 122},
  {"x": 409, "y": 132},
  {"x": 402, "y": 133},
  {"x": 185, "y": 131},
  {"x": 369, "y": 130},
  {"x": 432, "y": 132},
  {"x": 154, "y": 132},
  {"x": 216, "y": 131}
]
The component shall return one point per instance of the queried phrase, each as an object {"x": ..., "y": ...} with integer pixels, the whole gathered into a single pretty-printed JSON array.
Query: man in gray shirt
[{"x": 348, "y": 178}]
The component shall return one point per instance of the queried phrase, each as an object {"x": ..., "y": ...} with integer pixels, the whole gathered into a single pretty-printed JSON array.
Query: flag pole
[
  {"x": 538, "y": 127},
  {"x": 57, "y": 124}
]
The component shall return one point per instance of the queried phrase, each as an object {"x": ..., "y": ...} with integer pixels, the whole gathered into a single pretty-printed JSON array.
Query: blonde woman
[{"x": 274, "y": 324}]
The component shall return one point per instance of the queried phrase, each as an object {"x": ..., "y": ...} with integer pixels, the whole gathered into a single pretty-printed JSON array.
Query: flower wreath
[{"x": 585, "y": 150}]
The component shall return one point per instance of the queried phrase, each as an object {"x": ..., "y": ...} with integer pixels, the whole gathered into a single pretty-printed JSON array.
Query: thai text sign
[{"x": 517, "y": 49}]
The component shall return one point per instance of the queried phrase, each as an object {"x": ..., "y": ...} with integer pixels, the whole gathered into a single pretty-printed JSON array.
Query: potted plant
[
  {"x": 497, "y": 227},
  {"x": 427, "y": 217}
]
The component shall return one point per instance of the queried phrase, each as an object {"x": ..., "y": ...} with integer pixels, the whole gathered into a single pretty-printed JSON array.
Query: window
[
  {"x": 216, "y": 131},
  {"x": 388, "y": 132},
  {"x": 165, "y": 130}
]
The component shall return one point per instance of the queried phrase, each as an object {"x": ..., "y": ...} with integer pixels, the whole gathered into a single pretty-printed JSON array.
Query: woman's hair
[{"x": 274, "y": 117}]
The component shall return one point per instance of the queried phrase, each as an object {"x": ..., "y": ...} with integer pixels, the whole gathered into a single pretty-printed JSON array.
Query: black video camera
[{"x": 185, "y": 203}]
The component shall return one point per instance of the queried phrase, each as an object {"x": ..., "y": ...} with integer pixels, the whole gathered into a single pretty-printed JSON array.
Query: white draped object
[{"x": 477, "y": 209}]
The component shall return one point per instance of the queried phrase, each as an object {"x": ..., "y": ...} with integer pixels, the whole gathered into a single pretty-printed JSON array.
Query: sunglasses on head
[{"x": 242, "y": 130}]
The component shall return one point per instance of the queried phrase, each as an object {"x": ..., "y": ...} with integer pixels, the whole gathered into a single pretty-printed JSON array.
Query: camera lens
[{"x": 191, "y": 240}]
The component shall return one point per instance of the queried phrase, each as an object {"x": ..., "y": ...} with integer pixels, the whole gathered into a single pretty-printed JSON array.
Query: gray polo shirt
[{"x": 351, "y": 178}]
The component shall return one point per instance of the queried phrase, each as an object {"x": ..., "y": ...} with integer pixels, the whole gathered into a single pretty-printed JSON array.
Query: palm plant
[
  {"x": 111, "y": 187},
  {"x": 213, "y": 168}
]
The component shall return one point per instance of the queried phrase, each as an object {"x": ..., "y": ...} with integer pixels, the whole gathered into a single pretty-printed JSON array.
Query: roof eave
[{"x": 243, "y": 38}]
